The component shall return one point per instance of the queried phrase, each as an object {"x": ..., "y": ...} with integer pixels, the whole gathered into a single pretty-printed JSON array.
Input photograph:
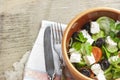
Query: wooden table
[{"x": 20, "y": 23}]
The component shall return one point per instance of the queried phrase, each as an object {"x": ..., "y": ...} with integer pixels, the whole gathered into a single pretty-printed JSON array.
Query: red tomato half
[{"x": 97, "y": 53}]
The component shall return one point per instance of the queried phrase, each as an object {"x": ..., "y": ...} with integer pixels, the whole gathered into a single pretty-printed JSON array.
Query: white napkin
[{"x": 35, "y": 66}]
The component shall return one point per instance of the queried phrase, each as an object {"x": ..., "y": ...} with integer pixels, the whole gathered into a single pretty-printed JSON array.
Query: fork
[{"x": 57, "y": 33}]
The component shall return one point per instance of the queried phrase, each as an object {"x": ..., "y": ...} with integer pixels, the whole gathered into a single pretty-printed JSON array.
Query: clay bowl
[{"x": 76, "y": 24}]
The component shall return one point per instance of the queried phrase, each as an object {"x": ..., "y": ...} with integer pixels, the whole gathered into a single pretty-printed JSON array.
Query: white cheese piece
[
  {"x": 110, "y": 42},
  {"x": 89, "y": 59},
  {"x": 96, "y": 69},
  {"x": 101, "y": 76},
  {"x": 86, "y": 35},
  {"x": 94, "y": 28},
  {"x": 75, "y": 57},
  {"x": 72, "y": 50},
  {"x": 113, "y": 58},
  {"x": 90, "y": 41}
]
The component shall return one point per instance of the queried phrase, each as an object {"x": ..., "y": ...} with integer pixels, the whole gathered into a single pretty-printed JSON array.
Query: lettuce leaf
[
  {"x": 107, "y": 24},
  {"x": 81, "y": 37},
  {"x": 76, "y": 45},
  {"x": 86, "y": 48},
  {"x": 116, "y": 68},
  {"x": 107, "y": 54}
]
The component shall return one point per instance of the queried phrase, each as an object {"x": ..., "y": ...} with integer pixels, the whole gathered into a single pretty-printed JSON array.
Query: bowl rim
[{"x": 71, "y": 23}]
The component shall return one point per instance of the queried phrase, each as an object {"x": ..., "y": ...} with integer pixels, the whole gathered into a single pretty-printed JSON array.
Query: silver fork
[{"x": 57, "y": 33}]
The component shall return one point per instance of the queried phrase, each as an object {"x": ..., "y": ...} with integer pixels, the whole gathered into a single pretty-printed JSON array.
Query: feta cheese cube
[
  {"x": 96, "y": 69},
  {"x": 89, "y": 59},
  {"x": 94, "y": 28},
  {"x": 72, "y": 50},
  {"x": 86, "y": 35},
  {"x": 101, "y": 76},
  {"x": 110, "y": 42},
  {"x": 75, "y": 57},
  {"x": 90, "y": 40}
]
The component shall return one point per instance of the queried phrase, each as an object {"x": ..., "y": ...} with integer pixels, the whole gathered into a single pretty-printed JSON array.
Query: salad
[{"x": 95, "y": 49}]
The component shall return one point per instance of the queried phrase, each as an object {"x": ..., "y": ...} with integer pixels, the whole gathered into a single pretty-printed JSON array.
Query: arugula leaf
[
  {"x": 88, "y": 48},
  {"x": 81, "y": 37},
  {"x": 114, "y": 37},
  {"x": 112, "y": 34},
  {"x": 76, "y": 45},
  {"x": 118, "y": 26}
]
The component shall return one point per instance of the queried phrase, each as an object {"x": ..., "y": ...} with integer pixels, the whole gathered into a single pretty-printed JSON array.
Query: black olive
[
  {"x": 85, "y": 71},
  {"x": 93, "y": 44},
  {"x": 74, "y": 36},
  {"x": 87, "y": 27},
  {"x": 104, "y": 64},
  {"x": 99, "y": 42}
]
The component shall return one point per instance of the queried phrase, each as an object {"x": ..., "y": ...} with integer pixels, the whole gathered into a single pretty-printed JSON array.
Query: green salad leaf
[
  {"x": 116, "y": 75},
  {"x": 116, "y": 63},
  {"x": 106, "y": 52},
  {"x": 114, "y": 37},
  {"x": 116, "y": 68},
  {"x": 111, "y": 49},
  {"x": 106, "y": 24},
  {"x": 118, "y": 26},
  {"x": 112, "y": 34},
  {"x": 109, "y": 76},
  {"x": 119, "y": 44},
  {"x": 108, "y": 70},
  {"x": 80, "y": 64},
  {"x": 86, "y": 48},
  {"x": 101, "y": 34},
  {"x": 76, "y": 45},
  {"x": 81, "y": 37}
]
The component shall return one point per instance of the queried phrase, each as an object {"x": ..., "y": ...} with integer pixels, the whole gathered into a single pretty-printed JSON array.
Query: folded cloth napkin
[{"x": 35, "y": 67}]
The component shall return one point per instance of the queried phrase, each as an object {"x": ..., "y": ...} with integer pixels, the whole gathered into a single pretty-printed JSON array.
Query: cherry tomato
[{"x": 97, "y": 53}]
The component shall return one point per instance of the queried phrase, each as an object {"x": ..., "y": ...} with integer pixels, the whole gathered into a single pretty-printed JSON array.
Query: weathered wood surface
[{"x": 20, "y": 22}]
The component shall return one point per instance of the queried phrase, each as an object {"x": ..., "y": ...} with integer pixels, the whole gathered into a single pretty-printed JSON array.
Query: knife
[{"x": 49, "y": 62}]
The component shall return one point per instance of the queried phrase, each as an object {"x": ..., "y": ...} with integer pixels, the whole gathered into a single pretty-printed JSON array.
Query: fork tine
[
  {"x": 57, "y": 33},
  {"x": 58, "y": 30},
  {"x": 57, "y": 38},
  {"x": 53, "y": 33},
  {"x": 61, "y": 32}
]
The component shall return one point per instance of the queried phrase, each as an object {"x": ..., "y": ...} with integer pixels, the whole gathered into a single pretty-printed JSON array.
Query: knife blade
[{"x": 49, "y": 62}]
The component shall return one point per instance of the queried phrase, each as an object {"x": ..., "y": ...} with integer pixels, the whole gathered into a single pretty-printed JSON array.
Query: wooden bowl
[{"x": 75, "y": 25}]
